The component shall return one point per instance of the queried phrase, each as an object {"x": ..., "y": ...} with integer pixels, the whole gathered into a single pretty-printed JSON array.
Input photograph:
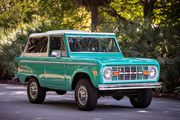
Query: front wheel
[
  {"x": 143, "y": 99},
  {"x": 85, "y": 95},
  {"x": 36, "y": 94}
]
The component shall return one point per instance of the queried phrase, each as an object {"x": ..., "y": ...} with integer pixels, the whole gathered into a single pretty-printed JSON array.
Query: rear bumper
[{"x": 129, "y": 86}]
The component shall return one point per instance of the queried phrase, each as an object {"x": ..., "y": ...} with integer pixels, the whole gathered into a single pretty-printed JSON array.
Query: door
[{"x": 54, "y": 68}]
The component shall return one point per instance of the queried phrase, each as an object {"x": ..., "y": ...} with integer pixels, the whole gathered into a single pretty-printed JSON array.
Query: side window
[
  {"x": 57, "y": 43},
  {"x": 37, "y": 45}
]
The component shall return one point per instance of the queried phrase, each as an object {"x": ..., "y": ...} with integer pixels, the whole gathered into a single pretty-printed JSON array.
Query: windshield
[{"x": 92, "y": 44}]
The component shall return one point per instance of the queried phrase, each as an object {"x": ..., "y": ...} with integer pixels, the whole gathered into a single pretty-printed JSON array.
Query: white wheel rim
[
  {"x": 33, "y": 89},
  {"x": 82, "y": 95}
]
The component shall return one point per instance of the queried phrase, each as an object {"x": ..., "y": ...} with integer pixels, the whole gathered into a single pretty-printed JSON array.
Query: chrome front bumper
[{"x": 129, "y": 86}]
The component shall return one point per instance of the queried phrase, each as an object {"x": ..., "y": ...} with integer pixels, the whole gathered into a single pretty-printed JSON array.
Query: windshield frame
[{"x": 92, "y": 36}]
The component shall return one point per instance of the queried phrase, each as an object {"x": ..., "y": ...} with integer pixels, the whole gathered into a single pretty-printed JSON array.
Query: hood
[{"x": 127, "y": 61}]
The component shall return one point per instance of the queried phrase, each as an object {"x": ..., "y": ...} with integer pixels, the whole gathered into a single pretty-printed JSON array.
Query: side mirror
[{"x": 56, "y": 53}]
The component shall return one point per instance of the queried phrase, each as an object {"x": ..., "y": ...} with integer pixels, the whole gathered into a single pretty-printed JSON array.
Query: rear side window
[{"x": 37, "y": 45}]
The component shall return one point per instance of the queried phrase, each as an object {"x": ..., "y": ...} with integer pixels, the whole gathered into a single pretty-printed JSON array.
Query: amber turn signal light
[
  {"x": 146, "y": 72},
  {"x": 116, "y": 73}
]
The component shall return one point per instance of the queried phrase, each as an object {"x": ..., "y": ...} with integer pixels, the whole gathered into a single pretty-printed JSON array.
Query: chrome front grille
[{"x": 129, "y": 72}]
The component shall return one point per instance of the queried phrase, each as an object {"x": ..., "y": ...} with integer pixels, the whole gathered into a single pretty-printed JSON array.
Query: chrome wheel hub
[
  {"x": 82, "y": 95},
  {"x": 33, "y": 89}
]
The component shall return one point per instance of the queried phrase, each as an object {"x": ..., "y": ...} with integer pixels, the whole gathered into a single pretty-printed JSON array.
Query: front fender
[{"x": 93, "y": 78}]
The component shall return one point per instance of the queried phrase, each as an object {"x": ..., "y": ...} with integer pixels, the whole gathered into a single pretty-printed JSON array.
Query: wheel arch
[
  {"x": 78, "y": 76},
  {"x": 29, "y": 77}
]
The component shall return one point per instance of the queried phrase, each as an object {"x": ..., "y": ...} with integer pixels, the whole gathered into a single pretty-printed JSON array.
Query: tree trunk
[
  {"x": 94, "y": 17},
  {"x": 148, "y": 6}
]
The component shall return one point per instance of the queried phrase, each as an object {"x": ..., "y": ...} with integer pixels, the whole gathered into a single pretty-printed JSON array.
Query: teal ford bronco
[{"x": 90, "y": 63}]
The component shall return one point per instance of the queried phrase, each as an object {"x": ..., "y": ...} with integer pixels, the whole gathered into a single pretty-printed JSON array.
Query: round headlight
[
  {"x": 152, "y": 72},
  {"x": 107, "y": 73}
]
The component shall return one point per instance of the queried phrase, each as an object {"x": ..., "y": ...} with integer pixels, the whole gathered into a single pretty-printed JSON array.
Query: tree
[
  {"x": 93, "y": 5},
  {"x": 13, "y": 13}
]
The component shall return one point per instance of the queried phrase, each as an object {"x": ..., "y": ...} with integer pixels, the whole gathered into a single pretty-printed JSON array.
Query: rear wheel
[
  {"x": 36, "y": 94},
  {"x": 85, "y": 95},
  {"x": 143, "y": 99}
]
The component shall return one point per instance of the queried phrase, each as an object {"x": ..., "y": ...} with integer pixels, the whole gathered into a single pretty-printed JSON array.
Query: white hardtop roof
[{"x": 62, "y": 32}]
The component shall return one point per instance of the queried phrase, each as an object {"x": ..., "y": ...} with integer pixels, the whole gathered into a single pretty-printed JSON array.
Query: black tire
[
  {"x": 85, "y": 95},
  {"x": 36, "y": 94},
  {"x": 61, "y": 92},
  {"x": 143, "y": 99}
]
